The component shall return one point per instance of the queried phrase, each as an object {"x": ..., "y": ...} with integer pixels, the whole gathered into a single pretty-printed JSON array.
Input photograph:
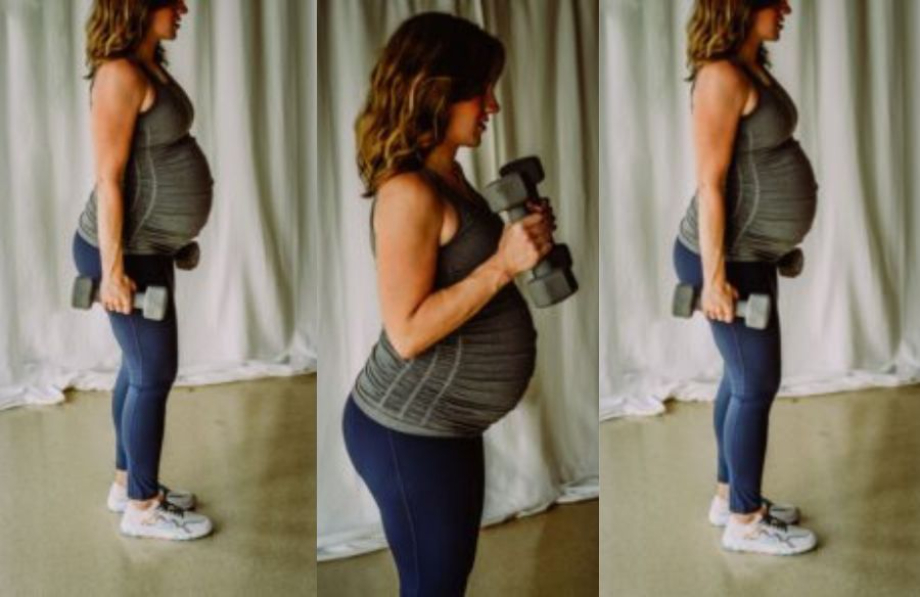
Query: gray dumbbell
[
  {"x": 755, "y": 310},
  {"x": 187, "y": 257},
  {"x": 551, "y": 280},
  {"x": 154, "y": 301},
  {"x": 791, "y": 264}
]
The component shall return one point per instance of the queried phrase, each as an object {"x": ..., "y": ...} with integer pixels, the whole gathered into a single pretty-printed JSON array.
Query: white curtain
[
  {"x": 852, "y": 319},
  {"x": 250, "y": 307},
  {"x": 546, "y": 450}
]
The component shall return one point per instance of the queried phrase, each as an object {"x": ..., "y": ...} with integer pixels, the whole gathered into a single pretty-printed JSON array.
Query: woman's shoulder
[
  {"x": 723, "y": 86},
  {"x": 723, "y": 73},
  {"x": 124, "y": 70},
  {"x": 412, "y": 189},
  {"x": 408, "y": 202}
]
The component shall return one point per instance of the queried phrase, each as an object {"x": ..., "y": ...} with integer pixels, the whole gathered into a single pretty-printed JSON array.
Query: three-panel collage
[{"x": 445, "y": 298}]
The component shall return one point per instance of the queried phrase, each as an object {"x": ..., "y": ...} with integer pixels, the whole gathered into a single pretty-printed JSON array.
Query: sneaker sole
[
  {"x": 791, "y": 552},
  {"x": 164, "y": 537}
]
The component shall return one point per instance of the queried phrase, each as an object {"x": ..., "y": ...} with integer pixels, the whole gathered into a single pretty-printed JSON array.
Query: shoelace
[
  {"x": 771, "y": 521},
  {"x": 170, "y": 508}
]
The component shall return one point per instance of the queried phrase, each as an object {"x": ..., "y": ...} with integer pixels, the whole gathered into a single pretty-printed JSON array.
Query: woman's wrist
[{"x": 496, "y": 272}]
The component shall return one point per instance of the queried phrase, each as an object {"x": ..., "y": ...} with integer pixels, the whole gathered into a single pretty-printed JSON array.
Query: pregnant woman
[
  {"x": 755, "y": 201},
  {"x": 152, "y": 196},
  {"x": 457, "y": 348}
]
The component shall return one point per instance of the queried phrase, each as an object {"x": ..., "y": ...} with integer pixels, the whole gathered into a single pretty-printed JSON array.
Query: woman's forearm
[
  {"x": 711, "y": 209},
  {"x": 110, "y": 214},
  {"x": 445, "y": 310}
]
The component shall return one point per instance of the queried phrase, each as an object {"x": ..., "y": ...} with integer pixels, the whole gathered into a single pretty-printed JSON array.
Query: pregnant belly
[
  {"x": 183, "y": 189},
  {"x": 778, "y": 206}
]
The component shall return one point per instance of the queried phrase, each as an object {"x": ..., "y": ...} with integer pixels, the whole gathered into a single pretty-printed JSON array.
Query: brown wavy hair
[
  {"x": 115, "y": 29},
  {"x": 430, "y": 62},
  {"x": 717, "y": 30}
]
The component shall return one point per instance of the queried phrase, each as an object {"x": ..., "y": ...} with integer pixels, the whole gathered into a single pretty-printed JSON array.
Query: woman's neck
[
  {"x": 146, "y": 51},
  {"x": 442, "y": 159},
  {"x": 749, "y": 51}
]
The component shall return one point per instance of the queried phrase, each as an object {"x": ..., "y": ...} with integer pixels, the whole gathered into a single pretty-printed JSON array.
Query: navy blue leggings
[
  {"x": 149, "y": 363},
  {"x": 430, "y": 493},
  {"x": 749, "y": 383}
]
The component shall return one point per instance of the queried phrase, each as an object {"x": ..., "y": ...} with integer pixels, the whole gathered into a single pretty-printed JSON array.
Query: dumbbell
[
  {"x": 791, "y": 264},
  {"x": 755, "y": 310},
  {"x": 551, "y": 280},
  {"x": 187, "y": 257},
  {"x": 153, "y": 301}
]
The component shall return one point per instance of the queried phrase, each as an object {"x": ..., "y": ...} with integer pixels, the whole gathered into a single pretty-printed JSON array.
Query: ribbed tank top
[
  {"x": 479, "y": 372},
  {"x": 167, "y": 185},
  {"x": 770, "y": 191}
]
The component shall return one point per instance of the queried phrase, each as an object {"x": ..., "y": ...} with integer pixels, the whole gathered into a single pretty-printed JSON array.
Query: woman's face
[
  {"x": 164, "y": 22},
  {"x": 768, "y": 22},
  {"x": 469, "y": 118}
]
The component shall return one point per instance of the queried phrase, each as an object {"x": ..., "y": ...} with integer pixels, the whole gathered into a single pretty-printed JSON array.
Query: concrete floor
[
  {"x": 850, "y": 461},
  {"x": 548, "y": 555},
  {"x": 248, "y": 451}
]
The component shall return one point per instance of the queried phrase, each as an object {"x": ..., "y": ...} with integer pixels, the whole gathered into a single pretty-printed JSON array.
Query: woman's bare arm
[
  {"x": 119, "y": 90},
  {"x": 719, "y": 99},
  {"x": 407, "y": 221}
]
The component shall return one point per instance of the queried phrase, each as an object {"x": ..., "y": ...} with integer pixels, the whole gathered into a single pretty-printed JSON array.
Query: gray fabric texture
[
  {"x": 167, "y": 186},
  {"x": 545, "y": 450},
  {"x": 770, "y": 190},
  {"x": 478, "y": 373}
]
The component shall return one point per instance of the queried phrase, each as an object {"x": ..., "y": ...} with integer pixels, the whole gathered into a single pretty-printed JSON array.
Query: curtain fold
[
  {"x": 248, "y": 310},
  {"x": 851, "y": 319},
  {"x": 546, "y": 450}
]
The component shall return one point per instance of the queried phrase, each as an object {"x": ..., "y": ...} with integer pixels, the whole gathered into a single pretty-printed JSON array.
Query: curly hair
[
  {"x": 717, "y": 29},
  {"x": 115, "y": 29},
  {"x": 432, "y": 61}
]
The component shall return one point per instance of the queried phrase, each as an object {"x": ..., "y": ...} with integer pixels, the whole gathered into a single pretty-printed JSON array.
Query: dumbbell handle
[
  {"x": 519, "y": 212},
  {"x": 137, "y": 299},
  {"x": 740, "y": 306}
]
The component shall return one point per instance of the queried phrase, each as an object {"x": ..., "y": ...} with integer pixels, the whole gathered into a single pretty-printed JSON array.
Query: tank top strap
[
  {"x": 446, "y": 191},
  {"x": 154, "y": 78}
]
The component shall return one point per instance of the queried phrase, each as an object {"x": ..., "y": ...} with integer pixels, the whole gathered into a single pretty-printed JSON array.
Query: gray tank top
[
  {"x": 167, "y": 185},
  {"x": 475, "y": 375},
  {"x": 770, "y": 192}
]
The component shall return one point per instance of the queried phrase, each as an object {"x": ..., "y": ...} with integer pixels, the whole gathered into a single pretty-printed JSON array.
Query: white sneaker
[
  {"x": 118, "y": 498},
  {"x": 767, "y": 535},
  {"x": 719, "y": 512},
  {"x": 164, "y": 521}
]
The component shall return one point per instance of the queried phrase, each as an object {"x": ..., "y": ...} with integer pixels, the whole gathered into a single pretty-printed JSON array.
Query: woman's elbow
[{"x": 406, "y": 347}]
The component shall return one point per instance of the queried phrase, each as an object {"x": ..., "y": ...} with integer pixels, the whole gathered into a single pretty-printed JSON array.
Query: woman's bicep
[
  {"x": 717, "y": 108},
  {"x": 407, "y": 224},
  {"x": 116, "y": 99}
]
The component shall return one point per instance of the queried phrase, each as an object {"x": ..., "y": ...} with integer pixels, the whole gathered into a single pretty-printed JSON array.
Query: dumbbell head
[
  {"x": 756, "y": 311},
  {"x": 684, "y": 301},
  {"x": 517, "y": 184},
  {"x": 554, "y": 287},
  {"x": 155, "y": 302},
  {"x": 187, "y": 257},
  {"x": 507, "y": 192},
  {"x": 82, "y": 295},
  {"x": 791, "y": 264},
  {"x": 530, "y": 168}
]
